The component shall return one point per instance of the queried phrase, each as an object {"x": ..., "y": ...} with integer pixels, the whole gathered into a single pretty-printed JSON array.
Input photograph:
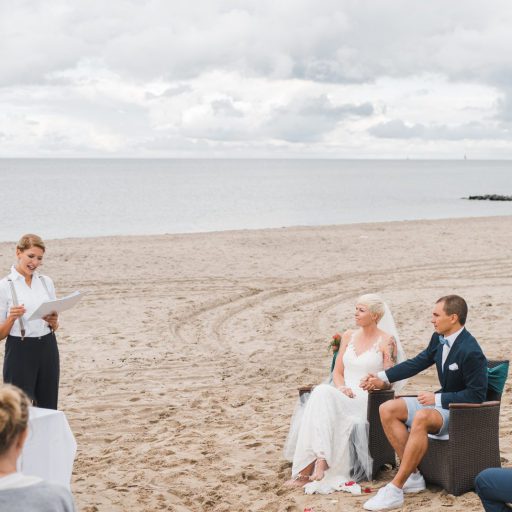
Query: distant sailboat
[{"x": 465, "y": 157}]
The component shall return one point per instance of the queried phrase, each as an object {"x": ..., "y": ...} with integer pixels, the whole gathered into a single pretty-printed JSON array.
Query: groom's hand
[
  {"x": 363, "y": 383},
  {"x": 426, "y": 398},
  {"x": 371, "y": 382}
]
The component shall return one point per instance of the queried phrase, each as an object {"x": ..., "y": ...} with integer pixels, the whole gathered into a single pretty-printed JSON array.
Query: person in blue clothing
[
  {"x": 462, "y": 371},
  {"x": 494, "y": 488}
]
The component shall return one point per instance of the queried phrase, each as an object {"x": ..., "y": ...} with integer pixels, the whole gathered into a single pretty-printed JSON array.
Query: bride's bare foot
[
  {"x": 320, "y": 468},
  {"x": 303, "y": 477},
  {"x": 298, "y": 481}
]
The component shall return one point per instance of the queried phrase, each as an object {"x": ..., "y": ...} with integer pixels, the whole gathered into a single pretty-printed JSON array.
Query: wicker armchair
[
  {"x": 473, "y": 445},
  {"x": 381, "y": 451}
]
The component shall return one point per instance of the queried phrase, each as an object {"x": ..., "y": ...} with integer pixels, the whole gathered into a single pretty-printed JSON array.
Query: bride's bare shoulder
[
  {"x": 386, "y": 338},
  {"x": 387, "y": 343},
  {"x": 347, "y": 334}
]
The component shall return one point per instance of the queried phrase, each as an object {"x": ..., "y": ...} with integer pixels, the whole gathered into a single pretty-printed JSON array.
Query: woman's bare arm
[
  {"x": 14, "y": 313},
  {"x": 338, "y": 373}
]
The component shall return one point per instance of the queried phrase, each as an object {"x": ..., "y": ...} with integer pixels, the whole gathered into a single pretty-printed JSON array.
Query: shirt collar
[
  {"x": 17, "y": 480},
  {"x": 14, "y": 275},
  {"x": 453, "y": 336}
]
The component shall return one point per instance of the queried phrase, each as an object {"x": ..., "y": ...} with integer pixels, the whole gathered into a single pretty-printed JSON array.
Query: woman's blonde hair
[
  {"x": 13, "y": 415},
  {"x": 28, "y": 241},
  {"x": 374, "y": 303}
]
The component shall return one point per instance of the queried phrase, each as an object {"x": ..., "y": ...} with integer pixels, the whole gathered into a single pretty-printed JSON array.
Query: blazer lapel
[{"x": 439, "y": 362}]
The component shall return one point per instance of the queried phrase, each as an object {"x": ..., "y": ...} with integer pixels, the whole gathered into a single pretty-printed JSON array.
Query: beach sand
[{"x": 180, "y": 367}]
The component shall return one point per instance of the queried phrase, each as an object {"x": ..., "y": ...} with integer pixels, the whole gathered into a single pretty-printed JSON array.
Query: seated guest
[
  {"x": 20, "y": 493},
  {"x": 494, "y": 488}
]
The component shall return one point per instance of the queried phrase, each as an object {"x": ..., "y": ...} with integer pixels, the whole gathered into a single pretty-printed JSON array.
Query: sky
[{"x": 256, "y": 78}]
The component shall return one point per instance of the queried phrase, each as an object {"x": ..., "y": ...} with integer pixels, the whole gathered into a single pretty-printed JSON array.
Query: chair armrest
[
  {"x": 383, "y": 392},
  {"x": 453, "y": 405},
  {"x": 475, "y": 423},
  {"x": 305, "y": 389},
  {"x": 375, "y": 399},
  {"x": 474, "y": 406}
]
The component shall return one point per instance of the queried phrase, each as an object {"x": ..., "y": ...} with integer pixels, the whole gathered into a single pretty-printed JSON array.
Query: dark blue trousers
[
  {"x": 33, "y": 366},
  {"x": 494, "y": 487}
]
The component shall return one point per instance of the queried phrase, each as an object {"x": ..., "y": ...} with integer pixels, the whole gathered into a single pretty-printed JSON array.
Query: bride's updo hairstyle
[
  {"x": 374, "y": 304},
  {"x": 13, "y": 415}
]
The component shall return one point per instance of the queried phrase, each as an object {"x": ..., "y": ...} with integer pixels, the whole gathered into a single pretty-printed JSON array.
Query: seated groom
[{"x": 462, "y": 371}]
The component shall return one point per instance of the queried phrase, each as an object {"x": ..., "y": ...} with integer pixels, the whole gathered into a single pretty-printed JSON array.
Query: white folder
[{"x": 56, "y": 306}]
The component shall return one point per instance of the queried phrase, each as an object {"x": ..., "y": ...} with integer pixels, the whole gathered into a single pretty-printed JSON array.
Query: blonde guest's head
[
  {"x": 369, "y": 308},
  {"x": 13, "y": 416},
  {"x": 28, "y": 241}
]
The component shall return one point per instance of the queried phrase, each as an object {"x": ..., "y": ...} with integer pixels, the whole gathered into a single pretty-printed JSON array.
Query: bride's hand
[
  {"x": 346, "y": 391},
  {"x": 366, "y": 382},
  {"x": 372, "y": 382}
]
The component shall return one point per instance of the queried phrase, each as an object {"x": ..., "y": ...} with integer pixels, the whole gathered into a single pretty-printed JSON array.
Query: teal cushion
[{"x": 497, "y": 377}]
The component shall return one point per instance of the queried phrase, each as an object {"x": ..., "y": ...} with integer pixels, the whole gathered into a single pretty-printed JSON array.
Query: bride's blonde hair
[{"x": 374, "y": 303}]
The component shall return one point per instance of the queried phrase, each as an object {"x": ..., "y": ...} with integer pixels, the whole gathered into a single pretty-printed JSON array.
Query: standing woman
[{"x": 31, "y": 355}]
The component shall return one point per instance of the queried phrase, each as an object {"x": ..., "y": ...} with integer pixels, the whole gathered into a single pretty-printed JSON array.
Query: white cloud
[
  {"x": 308, "y": 119},
  {"x": 220, "y": 76},
  {"x": 397, "y": 129}
]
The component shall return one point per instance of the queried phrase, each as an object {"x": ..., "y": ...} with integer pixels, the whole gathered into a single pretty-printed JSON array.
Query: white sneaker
[
  {"x": 415, "y": 483},
  {"x": 387, "y": 498}
]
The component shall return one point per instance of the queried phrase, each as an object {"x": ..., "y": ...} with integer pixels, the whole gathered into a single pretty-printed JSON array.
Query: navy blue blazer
[{"x": 466, "y": 382}]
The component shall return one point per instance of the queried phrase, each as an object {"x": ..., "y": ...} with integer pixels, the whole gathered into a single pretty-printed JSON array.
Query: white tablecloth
[{"x": 50, "y": 449}]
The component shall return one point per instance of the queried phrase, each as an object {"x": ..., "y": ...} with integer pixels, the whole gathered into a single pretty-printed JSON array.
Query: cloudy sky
[{"x": 256, "y": 78}]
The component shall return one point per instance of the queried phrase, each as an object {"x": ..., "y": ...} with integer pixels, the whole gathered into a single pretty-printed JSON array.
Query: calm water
[{"x": 78, "y": 198}]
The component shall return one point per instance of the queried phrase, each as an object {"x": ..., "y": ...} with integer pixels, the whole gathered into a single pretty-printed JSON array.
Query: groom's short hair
[{"x": 455, "y": 305}]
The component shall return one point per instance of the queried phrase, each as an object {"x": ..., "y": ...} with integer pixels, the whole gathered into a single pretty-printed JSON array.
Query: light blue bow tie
[{"x": 444, "y": 341}]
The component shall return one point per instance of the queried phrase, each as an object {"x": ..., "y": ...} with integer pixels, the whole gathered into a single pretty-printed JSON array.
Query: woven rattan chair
[
  {"x": 473, "y": 445},
  {"x": 381, "y": 451}
]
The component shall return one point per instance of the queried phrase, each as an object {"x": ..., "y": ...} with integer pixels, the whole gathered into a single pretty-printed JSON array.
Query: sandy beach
[{"x": 180, "y": 368}]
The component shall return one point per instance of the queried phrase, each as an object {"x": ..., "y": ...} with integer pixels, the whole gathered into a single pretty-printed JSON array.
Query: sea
[{"x": 61, "y": 198}]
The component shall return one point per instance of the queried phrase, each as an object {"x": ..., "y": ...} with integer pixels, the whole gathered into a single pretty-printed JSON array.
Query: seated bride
[{"x": 328, "y": 438}]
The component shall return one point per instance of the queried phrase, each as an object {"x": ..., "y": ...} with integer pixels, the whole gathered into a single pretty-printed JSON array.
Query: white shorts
[{"x": 413, "y": 406}]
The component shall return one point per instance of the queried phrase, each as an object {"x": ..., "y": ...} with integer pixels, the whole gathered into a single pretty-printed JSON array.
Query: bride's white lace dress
[{"x": 333, "y": 426}]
